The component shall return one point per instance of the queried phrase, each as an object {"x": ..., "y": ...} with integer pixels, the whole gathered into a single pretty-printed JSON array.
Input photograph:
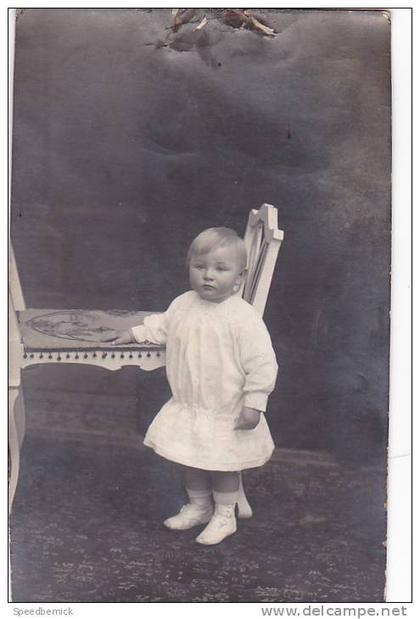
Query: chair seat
[{"x": 75, "y": 329}]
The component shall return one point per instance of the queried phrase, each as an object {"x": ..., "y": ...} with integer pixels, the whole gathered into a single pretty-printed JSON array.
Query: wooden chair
[{"x": 71, "y": 336}]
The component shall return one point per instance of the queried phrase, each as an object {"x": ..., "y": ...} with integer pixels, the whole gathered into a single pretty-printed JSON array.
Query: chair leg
[
  {"x": 244, "y": 508},
  {"x": 16, "y": 434}
]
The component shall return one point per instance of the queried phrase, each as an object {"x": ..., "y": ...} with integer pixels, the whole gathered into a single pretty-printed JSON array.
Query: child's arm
[
  {"x": 154, "y": 329},
  {"x": 260, "y": 366}
]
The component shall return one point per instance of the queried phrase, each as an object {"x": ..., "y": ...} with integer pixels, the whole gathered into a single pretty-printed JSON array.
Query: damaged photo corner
[{"x": 133, "y": 131}]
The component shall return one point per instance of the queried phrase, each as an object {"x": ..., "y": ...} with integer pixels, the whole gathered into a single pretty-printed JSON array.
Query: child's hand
[
  {"x": 248, "y": 419},
  {"x": 118, "y": 337}
]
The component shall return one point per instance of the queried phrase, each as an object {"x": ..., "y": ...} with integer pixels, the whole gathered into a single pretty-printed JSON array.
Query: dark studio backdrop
[{"x": 130, "y": 138}]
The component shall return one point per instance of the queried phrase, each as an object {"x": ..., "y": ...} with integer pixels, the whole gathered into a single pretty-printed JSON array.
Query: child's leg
[
  {"x": 198, "y": 486},
  {"x": 223, "y": 522},
  {"x": 232, "y": 482},
  {"x": 196, "y": 479},
  {"x": 200, "y": 507},
  {"x": 225, "y": 481}
]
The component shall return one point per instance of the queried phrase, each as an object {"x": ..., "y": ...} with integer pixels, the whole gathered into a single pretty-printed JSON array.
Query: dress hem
[{"x": 205, "y": 467}]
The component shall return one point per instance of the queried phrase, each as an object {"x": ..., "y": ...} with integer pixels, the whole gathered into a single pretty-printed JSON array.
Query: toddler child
[{"x": 221, "y": 367}]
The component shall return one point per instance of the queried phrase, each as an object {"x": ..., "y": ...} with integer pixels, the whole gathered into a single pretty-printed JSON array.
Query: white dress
[{"x": 219, "y": 358}]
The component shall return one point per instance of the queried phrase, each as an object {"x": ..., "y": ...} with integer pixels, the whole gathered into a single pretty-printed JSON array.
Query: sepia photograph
[{"x": 199, "y": 305}]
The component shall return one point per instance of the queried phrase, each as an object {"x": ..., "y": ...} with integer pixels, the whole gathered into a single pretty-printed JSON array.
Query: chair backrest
[{"x": 262, "y": 239}]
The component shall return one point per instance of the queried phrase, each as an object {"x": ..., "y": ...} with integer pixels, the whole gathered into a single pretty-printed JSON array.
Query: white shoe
[
  {"x": 222, "y": 524},
  {"x": 190, "y": 516}
]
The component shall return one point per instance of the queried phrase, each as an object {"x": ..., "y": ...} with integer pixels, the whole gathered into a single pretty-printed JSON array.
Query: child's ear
[{"x": 239, "y": 280}]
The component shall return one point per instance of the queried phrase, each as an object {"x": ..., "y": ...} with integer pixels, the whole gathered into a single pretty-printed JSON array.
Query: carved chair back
[{"x": 263, "y": 240}]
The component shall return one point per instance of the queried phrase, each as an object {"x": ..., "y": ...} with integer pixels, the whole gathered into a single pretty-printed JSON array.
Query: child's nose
[{"x": 208, "y": 274}]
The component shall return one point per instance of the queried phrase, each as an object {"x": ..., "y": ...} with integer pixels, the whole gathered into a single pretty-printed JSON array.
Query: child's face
[{"x": 215, "y": 276}]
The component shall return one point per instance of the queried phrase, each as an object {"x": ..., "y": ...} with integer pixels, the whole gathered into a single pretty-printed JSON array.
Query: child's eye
[
  {"x": 221, "y": 268},
  {"x": 198, "y": 266}
]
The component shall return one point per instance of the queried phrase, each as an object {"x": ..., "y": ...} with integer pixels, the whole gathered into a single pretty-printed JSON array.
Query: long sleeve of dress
[
  {"x": 259, "y": 363},
  {"x": 155, "y": 327},
  {"x": 153, "y": 330}
]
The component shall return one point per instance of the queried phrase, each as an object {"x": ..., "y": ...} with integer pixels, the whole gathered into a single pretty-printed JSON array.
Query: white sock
[{"x": 202, "y": 498}]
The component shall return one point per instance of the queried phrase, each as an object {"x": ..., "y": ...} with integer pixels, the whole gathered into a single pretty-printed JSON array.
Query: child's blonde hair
[{"x": 213, "y": 238}]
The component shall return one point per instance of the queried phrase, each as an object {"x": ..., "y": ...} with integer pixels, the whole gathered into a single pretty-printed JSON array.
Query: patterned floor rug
[{"x": 86, "y": 527}]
